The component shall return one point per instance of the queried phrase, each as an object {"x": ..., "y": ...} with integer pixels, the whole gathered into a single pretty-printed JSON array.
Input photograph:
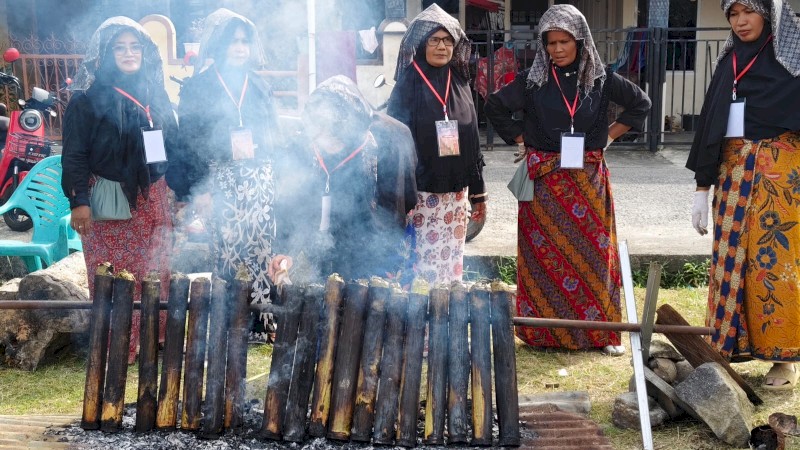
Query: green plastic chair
[{"x": 41, "y": 197}]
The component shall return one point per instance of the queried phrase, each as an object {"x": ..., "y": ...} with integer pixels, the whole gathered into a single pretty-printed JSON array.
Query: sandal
[
  {"x": 614, "y": 350},
  {"x": 785, "y": 372}
]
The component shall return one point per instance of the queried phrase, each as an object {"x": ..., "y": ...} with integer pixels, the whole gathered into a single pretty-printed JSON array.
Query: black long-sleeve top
[
  {"x": 206, "y": 116},
  {"x": 102, "y": 136},
  {"x": 546, "y": 115}
]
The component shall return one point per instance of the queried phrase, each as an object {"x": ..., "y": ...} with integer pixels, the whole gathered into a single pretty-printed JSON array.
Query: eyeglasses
[
  {"x": 434, "y": 41},
  {"x": 135, "y": 49}
]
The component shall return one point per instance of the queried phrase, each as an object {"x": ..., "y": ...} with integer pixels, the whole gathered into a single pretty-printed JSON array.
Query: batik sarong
[
  {"x": 754, "y": 286},
  {"x": 139, "y": 245},
  {"x": 567, "y": 259},
  {"x": 439, "y": 223}
]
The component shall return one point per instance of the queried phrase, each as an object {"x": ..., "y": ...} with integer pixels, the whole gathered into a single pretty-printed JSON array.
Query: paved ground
[{"x": 652, "y": 193}]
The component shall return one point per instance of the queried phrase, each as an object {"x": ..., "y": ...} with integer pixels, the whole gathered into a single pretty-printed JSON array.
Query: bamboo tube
[
  {"x": 387, "y": 403},
  {"x": 411, "y": 378},
  {"x": 367, "y": 387},
  {"x": 348, "y": 355},
  {"x": 329, "y": 331},
  {"x": 117, "y": 371},
  {"x": 480, "y": 346},
  {"x": 458, "y": 365},
  {"x": 280, "y": 372},
  {"x": 169, "y": 391},
  {"x": 199, "y": 297},
  {"x": 303, "y": 372},
  {"x": 98, "y": 347},
  {"x": 238, "y": 332},
  {"x": 148, "y": 354},
  {"x": 505, "y": 365},
  {"x": 436, "y": 400},
  {"x": 213, "y": 405}
]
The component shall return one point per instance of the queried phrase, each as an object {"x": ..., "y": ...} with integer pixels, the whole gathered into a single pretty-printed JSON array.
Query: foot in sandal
[
  {"x": 614, "y": 350},
  {"x": 781, "y": 377}
]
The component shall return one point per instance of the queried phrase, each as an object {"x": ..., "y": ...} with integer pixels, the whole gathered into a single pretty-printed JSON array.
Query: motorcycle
[
  {"x": 474, "y": 227},
  {"x": 25, "y": 143}
]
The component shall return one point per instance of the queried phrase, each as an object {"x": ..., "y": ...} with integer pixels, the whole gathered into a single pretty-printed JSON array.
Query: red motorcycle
[{"x": 25, "y": 142}]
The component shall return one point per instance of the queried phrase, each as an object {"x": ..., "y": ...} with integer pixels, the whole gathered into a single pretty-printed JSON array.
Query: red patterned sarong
[
  {"x": 567, "y": 263},
  {"x": 139, "y": 245}
]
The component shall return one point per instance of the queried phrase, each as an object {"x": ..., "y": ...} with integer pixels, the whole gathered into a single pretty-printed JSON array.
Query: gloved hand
[
  {"x": 278, "y": 270},
  {"x": 519, "y": 155},
  {"x": 700, "y": 212}
]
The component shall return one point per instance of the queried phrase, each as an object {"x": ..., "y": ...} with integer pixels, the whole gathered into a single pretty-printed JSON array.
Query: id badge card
[
  {"x": 153, "y": 139},
  {"x": 447, "y": 136},
  {"x": 325, "y": 216},
  {"x": 242, "y": 146},
  {"x": 572, "y": 150},
  {"x": 736, "y": 119}
]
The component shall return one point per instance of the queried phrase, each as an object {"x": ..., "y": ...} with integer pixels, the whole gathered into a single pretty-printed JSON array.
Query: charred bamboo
[
  {"x": 199, "y": 297},
  {"x": 387, "y": 403},
  {"x": 329, "y": 331},
  {"x": 214, "y": 405},
  {"x": 347, "y": 358},
  {"x": 280, "y": 372},
  {"x": 411, "y": 378},
  {"x": 367, "y": 387},
  {"x": 303, "y": 372},
  {"x": 458, "y": 365},
  {"x": 98, "y": 348},
  {"x": 148, "y": 354},
  {"x": 117, "y": 371},
  {"x": 480, "y": 346},
  {"x": 236, "y": 373},
  {"x": 436, "y": 400},
  {"x": 169, "y": 391},
  {"x": 505, "y": 365}
]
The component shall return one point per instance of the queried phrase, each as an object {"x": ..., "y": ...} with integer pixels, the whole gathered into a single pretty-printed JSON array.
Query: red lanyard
[
  {"x": 574, "y": 107},
  {"x": 338, "y": 166},
  {"x": 446, "y": 91},
  {"x": 737, "y": 77},
  {"x": 241, "y": 97},
  {"x": 146, "y": 109}
]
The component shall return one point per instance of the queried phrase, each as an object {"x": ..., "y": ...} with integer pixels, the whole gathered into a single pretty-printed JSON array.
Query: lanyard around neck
[
  {"x": 570, "y": 108},
  {"x": 241, "y": 97},
  {"x": 737, "y": 77},
  {"x": 338, "y": 166},
  {"x": 146, "y": 109},
  {"x": 439, "y": 97}
]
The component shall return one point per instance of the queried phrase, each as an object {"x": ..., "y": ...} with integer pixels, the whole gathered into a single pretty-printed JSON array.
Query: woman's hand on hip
[
  {"x": 81, "y": 220},
  {"x": 478, "y": 211}
]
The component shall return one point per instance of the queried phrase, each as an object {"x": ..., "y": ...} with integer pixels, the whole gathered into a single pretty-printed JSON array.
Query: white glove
[
  {"x": 700, "y": 212},
  {"x": 521, "y": 152}
]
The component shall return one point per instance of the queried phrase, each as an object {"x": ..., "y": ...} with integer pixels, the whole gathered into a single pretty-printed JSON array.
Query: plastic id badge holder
[
  {"x": 447, "y": 136},
  {"x": 736, "y": 119},
  {"x": 153, "y": 139},
  {"x": 242, "y": 146},
  {"x": 572, "y": 150},
  {"x": 325, "y": 217}
]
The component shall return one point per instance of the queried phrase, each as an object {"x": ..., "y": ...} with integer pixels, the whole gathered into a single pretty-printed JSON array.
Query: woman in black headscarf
[
  {"x": 119, "y": 90},
  {"x": 567, "y": 266},
  {"x": 747, "y": 145},
  {"x": 228, "y": 140},
  {"x": 432, "y": 97}
]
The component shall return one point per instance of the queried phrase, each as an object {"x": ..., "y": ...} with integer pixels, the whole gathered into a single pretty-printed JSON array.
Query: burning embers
[{"x": 351, "y": 353}]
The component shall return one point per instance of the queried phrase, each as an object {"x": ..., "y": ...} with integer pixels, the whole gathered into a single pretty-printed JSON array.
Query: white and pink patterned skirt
[{"x": 439, "y": 222}]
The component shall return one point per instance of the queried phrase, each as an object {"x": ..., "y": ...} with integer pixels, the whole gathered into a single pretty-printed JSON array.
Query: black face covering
[{"x": 771, "y": 94}]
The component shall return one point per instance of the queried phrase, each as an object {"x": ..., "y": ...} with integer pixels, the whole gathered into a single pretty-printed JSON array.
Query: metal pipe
[{"x": 608, "y": 326}]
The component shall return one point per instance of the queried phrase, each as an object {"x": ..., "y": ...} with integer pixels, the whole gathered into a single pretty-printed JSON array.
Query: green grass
[{"x": 57, "y": 387}]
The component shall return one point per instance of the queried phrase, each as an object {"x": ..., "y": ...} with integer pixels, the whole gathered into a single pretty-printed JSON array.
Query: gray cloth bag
[
  {"x": 108, "y": 201},
  {"x": 521, "y": 185}
]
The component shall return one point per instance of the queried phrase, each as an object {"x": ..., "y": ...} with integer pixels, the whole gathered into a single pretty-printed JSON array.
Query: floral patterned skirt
[
  {"x": 754, "y": 286},
  {"x": 439, "y": 223},
  {"x": 567, "y": 260},
  {"x": 139, "y": 245},
  {"x": 243, "y": 225}
]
